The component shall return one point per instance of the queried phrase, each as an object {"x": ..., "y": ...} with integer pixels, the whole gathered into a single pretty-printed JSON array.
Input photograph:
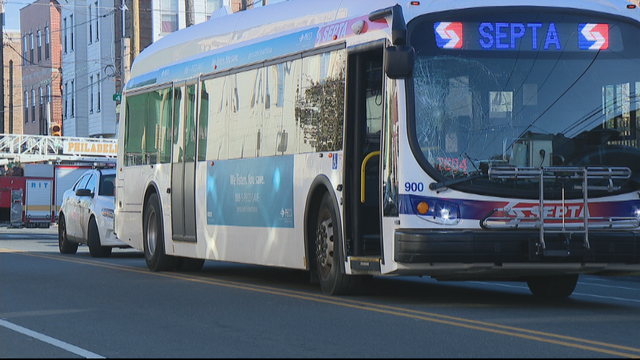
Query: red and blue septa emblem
[
  {"x": 593, "y": 36},
  {"x": 448, "y": 35}
]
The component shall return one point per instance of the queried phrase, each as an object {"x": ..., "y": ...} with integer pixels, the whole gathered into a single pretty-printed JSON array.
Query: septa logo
[
  {"x": 448, "y": 35},
  {"x": 593, "y": 36}
]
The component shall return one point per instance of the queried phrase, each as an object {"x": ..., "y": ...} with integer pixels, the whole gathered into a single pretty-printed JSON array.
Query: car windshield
[
  {"x": 107, "y": 185},
  {"x": 527, "y": 89}
]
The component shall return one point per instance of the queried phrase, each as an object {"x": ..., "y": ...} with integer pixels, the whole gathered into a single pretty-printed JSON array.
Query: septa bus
[{"x": 494, "y": 140}]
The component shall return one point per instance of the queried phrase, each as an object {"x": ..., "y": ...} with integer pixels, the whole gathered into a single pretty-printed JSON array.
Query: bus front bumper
[{"x": 418, "y": 246}]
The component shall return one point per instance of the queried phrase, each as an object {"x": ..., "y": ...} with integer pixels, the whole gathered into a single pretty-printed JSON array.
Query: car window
[
  {"x": 80, "y": 183},
  {"x": 91, "y": 183},
  {"x": 106, "y": 185}
]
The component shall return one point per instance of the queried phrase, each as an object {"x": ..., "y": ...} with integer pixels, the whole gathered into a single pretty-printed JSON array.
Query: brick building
[
  {"x": 12, "y": 84},
  {"x": 41, "y": 61}
]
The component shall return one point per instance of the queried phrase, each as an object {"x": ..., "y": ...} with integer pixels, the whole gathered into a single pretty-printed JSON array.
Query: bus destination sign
[{"x": 522, "y": 36}]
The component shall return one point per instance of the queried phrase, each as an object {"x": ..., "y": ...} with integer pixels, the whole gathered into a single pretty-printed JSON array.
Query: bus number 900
[{"x": 411, "y": 186}]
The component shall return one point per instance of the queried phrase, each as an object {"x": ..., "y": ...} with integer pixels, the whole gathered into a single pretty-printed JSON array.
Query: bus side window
[
  {"x": 177, "y": 116},
  {"x": 190, "y": 130}
]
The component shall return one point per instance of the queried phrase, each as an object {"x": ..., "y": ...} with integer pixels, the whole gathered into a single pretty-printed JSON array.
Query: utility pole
[
  {"x": 189, "y": 16},
  {"x": 135, "y": 29},
  {"x": 2, "y": 62},
  {"x": 11, "y": 97}
]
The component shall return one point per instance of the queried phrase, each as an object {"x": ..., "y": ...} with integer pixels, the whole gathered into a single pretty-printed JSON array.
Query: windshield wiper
[{"x": 446, "y": 183}]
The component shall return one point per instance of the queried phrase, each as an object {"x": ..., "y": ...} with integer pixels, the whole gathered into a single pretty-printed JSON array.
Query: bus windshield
[{"x": 522, "y": 89}]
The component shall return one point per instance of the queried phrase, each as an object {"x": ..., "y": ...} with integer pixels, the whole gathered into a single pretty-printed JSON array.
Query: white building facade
[
  {"x": 88, "y": 57},
  {"x": 89, "y": 67}
]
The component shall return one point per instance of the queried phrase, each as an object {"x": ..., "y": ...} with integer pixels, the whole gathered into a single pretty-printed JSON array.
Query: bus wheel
[
  {"x": 189, "y": 264},
  {"x": 329, "y": 254},
  {"x": 560, "y": 286},
  {"x": 95, "y": 248},
  {"x": 153, "y": 237},
  {"x": 65, "y": 246}
]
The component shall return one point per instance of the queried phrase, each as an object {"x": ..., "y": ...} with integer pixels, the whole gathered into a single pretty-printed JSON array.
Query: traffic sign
[{"x": 117, "y": 97}]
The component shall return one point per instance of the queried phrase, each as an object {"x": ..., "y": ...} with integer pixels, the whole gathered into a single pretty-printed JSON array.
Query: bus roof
[{"x": 229, "y": 31}]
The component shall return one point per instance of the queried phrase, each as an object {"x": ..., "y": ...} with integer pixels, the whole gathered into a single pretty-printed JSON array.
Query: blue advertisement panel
[{"x": 251, "y": 192}]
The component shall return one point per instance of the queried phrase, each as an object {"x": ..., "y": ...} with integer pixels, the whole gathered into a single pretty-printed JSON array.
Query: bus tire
[
  {"x": 559, "y": 286},
  {"x": 95, "y": 248},
  {"x": 64, "y": 245},
  {"x": 153, "y": 238},
  {"x": 328, "y": 245},
  {"x": 189, "y": 264}
]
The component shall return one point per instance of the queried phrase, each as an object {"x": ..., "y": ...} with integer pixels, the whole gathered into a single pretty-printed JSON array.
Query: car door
[
  {"x": 85, "y": 205},
  {"x": 70, "y": 206}
]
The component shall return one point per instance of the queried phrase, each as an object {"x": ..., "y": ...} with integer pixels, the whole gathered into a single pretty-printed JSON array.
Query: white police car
[{"x": 86, "y": 214}]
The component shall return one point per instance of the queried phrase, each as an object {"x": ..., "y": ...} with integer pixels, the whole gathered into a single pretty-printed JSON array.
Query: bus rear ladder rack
[{"x": 577, "y": 224}]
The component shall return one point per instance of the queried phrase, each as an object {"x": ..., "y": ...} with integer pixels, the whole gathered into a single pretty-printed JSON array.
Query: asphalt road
[{"x": 54, "y": 305}]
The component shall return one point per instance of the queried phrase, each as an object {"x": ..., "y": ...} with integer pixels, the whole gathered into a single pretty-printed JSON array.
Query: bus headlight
[{"x": 439, "y": 212}]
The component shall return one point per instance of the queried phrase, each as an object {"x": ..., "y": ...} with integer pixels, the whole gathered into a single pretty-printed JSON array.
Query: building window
[
  {"x": 97, "y": 17},
  {"x": 26, "y": 107},
  {"x": 46, "y": 42},
  {"x": 48, "y": 104},
  {"x": 24, "y": 52},
  {"x": 33, "y": 105},
  {"x": 71, "y": 31},
  {"x": 91, "y": 95},
  {"x": 64, "y": 35},
  {"x": 31, "y": 52},
  {"x": 99, "y": 85},
  {"x": 41, "y": 108},
  {"x": 64, "y": 94},
  {"x": 73, "y": 98},
  {"x": 169, "y": 15},
  {"x": 39, "y": 46},
  {"x": 90, "y": 25},
  {"x": 212, "y": 5}
]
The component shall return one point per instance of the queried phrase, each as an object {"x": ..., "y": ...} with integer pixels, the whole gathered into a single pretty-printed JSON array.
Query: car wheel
[
  {"x": 153, "y": 238},
  {"x": 95, "y": 248},
  {"x": 65, "y": 246}
]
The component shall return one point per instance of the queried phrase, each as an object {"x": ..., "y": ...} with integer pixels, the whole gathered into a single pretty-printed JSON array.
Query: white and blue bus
[{"x": 468, "y": 139}]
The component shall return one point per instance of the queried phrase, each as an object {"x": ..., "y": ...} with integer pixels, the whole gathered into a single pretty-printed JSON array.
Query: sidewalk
[{"x": 5, "y": 229}]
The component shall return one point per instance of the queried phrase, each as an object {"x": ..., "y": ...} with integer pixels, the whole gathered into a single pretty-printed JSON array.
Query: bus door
[
  {"x": 362, "y": 156},
  {"x": 183, "y": 163}
]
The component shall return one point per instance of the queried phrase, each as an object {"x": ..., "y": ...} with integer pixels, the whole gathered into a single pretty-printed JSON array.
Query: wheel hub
[{"x": 324, "y": 243}]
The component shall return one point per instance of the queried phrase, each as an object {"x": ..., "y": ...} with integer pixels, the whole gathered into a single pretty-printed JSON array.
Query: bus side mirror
[{"x": 398, "y": 61}]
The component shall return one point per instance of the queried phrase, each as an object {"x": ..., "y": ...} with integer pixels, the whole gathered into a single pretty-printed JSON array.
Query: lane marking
[
  {"x": 540, "y": 336},
  {"x": 49, "y": 340},
  {"x": 574, "y": 293},
  {"x": 608, "y": 286}
]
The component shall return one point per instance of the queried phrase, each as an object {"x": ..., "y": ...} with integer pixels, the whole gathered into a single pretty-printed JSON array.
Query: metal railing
[
  {"x": 564, "y": 224},
  {"x": 21, "y": 148}
]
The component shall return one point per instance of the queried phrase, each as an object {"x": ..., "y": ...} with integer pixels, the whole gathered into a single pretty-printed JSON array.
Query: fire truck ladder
[
  {"x": 574, "y": 224},
  {"x": 19, "y": 148}
]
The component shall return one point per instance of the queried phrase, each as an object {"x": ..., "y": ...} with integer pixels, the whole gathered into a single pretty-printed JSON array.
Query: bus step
[
  {"x": 361, "y": 265},
  {"x": 371, "y": 245}
]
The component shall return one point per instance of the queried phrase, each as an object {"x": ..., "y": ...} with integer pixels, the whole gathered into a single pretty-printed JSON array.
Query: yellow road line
[{"x": 541, "y": 336}]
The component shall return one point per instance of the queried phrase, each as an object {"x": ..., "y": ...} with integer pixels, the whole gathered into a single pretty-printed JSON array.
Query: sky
[{"x": 12, "y": 14}]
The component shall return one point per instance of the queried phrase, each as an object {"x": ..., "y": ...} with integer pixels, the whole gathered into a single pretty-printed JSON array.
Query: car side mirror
[
  {"x": 398, "y": 61},
  {"x": 84, "y": 192}
]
